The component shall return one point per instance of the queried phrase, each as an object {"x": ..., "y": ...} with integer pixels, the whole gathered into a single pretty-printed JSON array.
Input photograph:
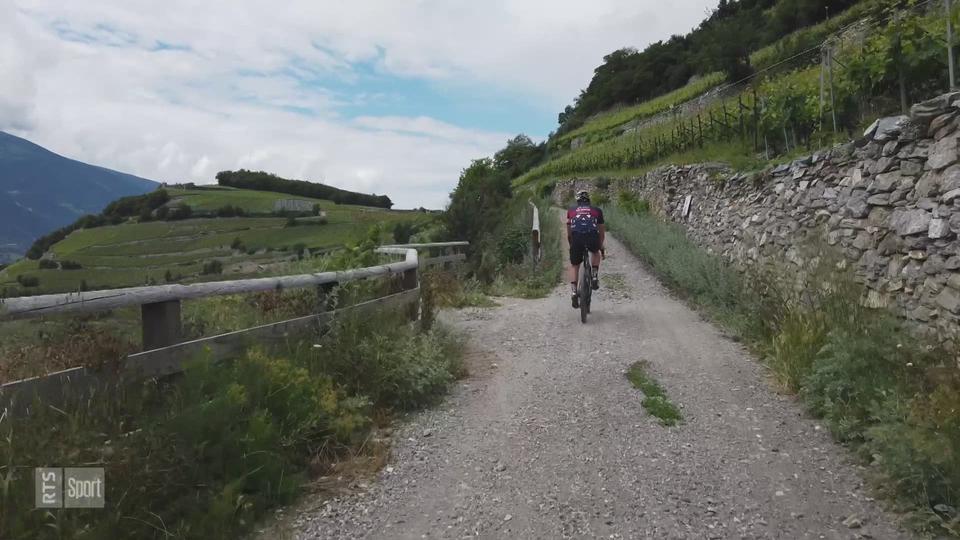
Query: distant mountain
[{"x": 41, "y": 191}]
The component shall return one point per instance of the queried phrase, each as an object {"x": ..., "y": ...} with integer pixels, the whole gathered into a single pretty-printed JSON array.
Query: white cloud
[{"x": 178, "y": 90}]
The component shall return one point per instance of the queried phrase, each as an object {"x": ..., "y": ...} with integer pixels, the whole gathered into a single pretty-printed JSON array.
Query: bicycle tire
[{"x": 585, "y": 290}]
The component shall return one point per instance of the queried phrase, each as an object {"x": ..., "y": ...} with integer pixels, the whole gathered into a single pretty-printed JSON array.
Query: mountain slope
[{"x": 41, "y": 191}]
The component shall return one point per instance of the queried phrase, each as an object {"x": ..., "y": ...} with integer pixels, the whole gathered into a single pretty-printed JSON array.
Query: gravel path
[{"x": 547, "y": 439}]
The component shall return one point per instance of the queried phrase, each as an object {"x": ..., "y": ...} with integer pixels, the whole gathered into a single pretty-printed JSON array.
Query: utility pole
[{"x": 950, "y": 60}]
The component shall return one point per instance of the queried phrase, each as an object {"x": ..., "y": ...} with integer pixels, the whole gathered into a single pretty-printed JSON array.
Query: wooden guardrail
[{"x": 164, "y": 350}]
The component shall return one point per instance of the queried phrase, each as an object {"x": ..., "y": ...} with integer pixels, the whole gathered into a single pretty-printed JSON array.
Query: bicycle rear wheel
[{"x": 584, "y": 291}]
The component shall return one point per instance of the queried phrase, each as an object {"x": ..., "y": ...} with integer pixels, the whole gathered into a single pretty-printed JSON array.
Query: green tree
[
  {"x": 476, "y": 203},
  {"x": 519, "y": 156}
]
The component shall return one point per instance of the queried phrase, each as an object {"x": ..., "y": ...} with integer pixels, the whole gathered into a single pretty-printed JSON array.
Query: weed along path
[{"x": 548, "y": 438}]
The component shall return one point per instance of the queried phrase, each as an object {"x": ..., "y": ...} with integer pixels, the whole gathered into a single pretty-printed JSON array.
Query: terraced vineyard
[{"x": 135, "y": 253}]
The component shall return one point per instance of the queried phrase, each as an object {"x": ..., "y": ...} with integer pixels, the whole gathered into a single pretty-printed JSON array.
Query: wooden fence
[{"x": 165, "y": 352}]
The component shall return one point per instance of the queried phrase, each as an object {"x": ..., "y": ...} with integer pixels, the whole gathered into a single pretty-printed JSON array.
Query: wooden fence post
[
  {"x": 411, "y": 281},
  {"x": 160, "y": 324}
]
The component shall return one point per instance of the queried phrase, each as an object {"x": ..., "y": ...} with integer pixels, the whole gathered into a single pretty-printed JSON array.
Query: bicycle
[
  {"x": 585, "y": 283},
  {"x": 585, "y": 286}
]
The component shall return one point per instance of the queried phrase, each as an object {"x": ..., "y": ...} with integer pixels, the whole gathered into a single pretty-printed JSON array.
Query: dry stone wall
[{"x": 889, "y": 203}]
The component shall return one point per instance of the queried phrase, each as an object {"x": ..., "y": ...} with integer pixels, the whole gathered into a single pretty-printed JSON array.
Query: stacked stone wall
[{"x": 888, "y": 204}]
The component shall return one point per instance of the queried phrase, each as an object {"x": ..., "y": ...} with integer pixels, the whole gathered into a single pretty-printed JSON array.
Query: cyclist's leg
[
  {"x": 594, "y": 246},
  {"x": 576, "y": 259}
]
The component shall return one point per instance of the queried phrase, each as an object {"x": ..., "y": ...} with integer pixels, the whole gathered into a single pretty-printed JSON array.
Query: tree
[
  {"x": 477, "y": 202},
  {"x": 519, "y": 156}
]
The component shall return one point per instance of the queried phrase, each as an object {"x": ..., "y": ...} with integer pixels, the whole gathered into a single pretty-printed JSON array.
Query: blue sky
[{"x": 386, "y": 96}]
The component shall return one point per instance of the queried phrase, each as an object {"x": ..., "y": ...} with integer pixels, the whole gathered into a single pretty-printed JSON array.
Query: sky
[{"x": 393, "y": 97}]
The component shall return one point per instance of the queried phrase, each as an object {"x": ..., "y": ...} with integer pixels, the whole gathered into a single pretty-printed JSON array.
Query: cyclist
[{"x": 585, "y": 230}]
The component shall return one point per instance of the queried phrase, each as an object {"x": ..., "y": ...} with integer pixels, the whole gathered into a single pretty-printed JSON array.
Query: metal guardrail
[{"x": 164, "y": 350}]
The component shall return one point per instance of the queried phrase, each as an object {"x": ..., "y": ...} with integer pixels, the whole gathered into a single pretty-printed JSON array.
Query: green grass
[
  {"x": 888, "y": 393},
  {"x": 208, "y": 455},
  {"x": 655, "y": 399},
  {"x": 612, "y": 119},
  {"x": 214, "y": 197},
  {"x": 133, "y": 253}
]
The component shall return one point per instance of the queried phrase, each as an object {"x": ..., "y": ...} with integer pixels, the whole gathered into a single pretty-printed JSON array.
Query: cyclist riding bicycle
[{"x": 585, "y": 231}]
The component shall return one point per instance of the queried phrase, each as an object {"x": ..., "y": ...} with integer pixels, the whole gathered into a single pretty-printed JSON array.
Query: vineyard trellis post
[
  {"x": 756, "y": 121},
  {"x": 833, "y": 101},
  {"x": 950, "y": 59},
  {"x": 700, "y": 128},
  {"x": 743, "y": 134}
]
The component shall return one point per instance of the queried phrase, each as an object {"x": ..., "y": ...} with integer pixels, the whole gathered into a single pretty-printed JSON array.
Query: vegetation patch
[
  {"x": 889, "y": 394},
  {"x": 655, "y": 399},
  {"x": 209, "y": 454},
  {"x": 498, "y": 229}
]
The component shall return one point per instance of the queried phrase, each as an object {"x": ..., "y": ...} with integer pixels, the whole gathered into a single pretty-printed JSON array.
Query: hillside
[
  {"x": 813, "y": 88},
  {"x": 138, "y": 252},
  {"x": 41, "y": 191}
]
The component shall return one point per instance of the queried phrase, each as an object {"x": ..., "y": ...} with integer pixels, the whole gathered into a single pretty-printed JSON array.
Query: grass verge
[
  {"x": 655, "y": 399},
  {"x": 888, "y": 394},
  {"x": 207, "y": 455}
]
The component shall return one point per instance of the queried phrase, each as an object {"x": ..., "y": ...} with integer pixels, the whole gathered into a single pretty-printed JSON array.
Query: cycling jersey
[{"x": 584, "y": 219}]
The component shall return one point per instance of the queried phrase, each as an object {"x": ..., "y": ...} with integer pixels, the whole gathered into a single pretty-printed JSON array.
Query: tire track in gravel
[{"x": 547, "y": 439}]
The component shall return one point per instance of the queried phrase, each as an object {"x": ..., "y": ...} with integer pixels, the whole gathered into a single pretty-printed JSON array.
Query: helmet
[{"x": 583, "y": 196}]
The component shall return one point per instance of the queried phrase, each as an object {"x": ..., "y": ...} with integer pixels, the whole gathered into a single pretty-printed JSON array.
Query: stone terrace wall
[{"x": 890, "y": 203}]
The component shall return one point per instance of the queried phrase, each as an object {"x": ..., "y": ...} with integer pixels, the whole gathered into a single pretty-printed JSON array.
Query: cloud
[{"x": 178, "y": 90}]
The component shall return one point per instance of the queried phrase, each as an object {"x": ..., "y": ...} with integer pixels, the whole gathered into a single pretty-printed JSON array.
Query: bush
[
  {"x": 212, "y": 267},
  {"x": 48, "y": 264},
  {"x": 28, "y": 281},
  {"x": 177, "y": 213},
  {"x": 207, "y": 454},
  {"x": 230, "y": 211},
  {"x": 513, "y": 245},
  {"x": 237, "y": 243},
  {"x": 70, "y": 265},
  {"x": 397, "y": 367},
  {"x": 628, "y": 201},
  {"x": 291, "y": 222}
]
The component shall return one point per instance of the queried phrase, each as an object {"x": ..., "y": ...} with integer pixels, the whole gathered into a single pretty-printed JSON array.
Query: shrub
[
  {"x": 230, "y": 211},
  {"x": 513, "y": 244},
  {"x": 212, "y": 267},
  {"x": 47, "y": 264},
  {"x": 178, "y": 213},
  {"x": 237, "y": 243},
  {"x": 396, "y": 367},
  {"x": 28, "y": 281},
  {"x": 70, "y": 265},
  {"x": 630, "y": 203},
  {"x": 291, "y": 222}
]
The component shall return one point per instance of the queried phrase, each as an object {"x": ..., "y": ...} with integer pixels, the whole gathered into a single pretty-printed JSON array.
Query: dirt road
[{"x": 547, "y": 439}]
